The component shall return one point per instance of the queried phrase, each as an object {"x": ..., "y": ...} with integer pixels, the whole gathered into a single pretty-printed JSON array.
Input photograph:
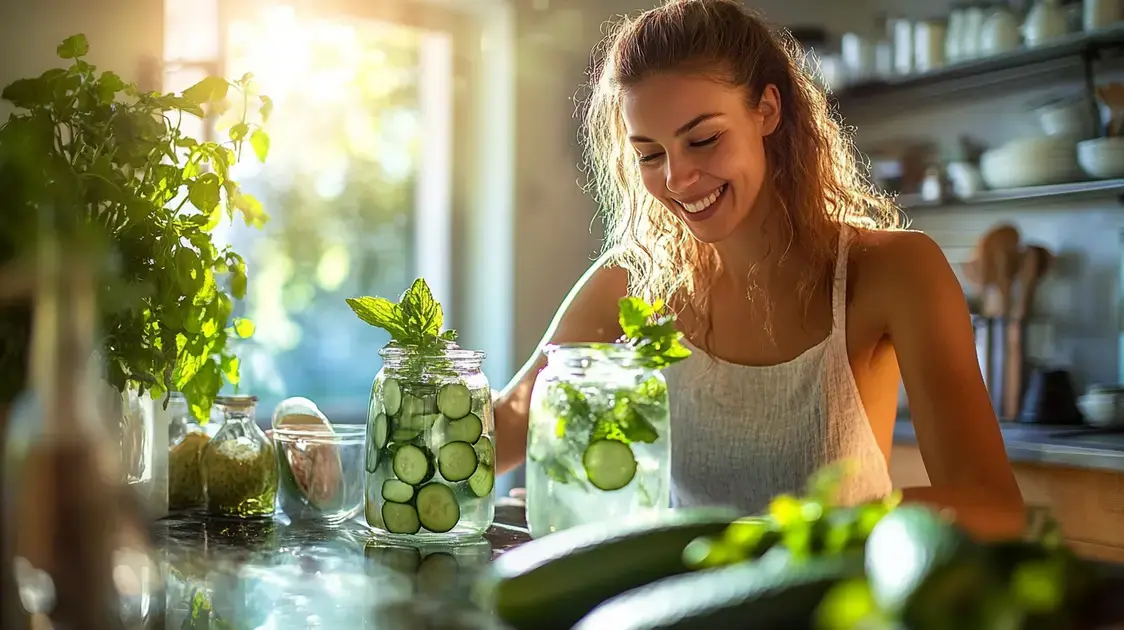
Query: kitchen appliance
[{"x": 1050, "y": 398}]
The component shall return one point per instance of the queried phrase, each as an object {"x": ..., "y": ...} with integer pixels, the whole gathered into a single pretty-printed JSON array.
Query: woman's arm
[
  {"x": 589, "y": 314},
  {"x": 929, "y": 326}
]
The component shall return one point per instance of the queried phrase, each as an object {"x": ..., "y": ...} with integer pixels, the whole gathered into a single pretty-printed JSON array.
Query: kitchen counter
[
  {"x": 231, "y": 575},
  {"x": 1047, "y": 445},
  {"x": 270, "y": 574}
]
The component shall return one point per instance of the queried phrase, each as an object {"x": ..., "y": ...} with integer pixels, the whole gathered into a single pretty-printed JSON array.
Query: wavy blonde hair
[{"x": 815, "y": 176}]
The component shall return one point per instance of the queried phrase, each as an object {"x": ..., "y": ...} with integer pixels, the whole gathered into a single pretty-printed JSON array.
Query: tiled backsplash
[{"x": 1076, "y": 303}]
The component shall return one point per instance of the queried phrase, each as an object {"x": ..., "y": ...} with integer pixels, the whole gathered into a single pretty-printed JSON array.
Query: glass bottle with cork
[{"x": 238, "y": 464}]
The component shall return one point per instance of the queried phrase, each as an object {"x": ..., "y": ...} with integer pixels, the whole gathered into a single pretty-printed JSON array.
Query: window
[{"x": 357, "y": 184}]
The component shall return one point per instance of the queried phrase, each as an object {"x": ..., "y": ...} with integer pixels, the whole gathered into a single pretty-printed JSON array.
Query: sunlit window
[{"x": 353, "y": 185}]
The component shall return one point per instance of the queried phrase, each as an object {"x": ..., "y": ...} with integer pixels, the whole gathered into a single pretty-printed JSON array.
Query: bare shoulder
[
  {"x": 898, "y": 263},
  {"x": 902, "y": 280}
]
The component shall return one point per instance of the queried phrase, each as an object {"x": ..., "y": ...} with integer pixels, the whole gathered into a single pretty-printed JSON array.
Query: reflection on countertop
[
  {"x": 273, "y": 574},
  {"x": 1059, "y": 445}
]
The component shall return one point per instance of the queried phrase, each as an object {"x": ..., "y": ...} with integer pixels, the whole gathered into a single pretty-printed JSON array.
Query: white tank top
[{"x": 741, "y": 435}]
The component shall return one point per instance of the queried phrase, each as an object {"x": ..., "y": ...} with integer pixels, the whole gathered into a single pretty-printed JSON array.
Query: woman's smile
[{"x": 701, "y": 209}]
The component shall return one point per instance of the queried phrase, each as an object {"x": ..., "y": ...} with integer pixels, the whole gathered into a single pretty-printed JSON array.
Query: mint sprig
[
  {"x": 415, "y": 324},
  {"x": 651, "y": 333},
  {"x": 415, "y": 321}
]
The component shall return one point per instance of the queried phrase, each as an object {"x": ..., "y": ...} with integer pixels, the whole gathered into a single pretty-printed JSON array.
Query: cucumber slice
[
  {"x": 467, "y": 429},
  {"x": 482, "y": 481},
  {"x": 609, "y": 464},
  {"x": 412, "y": 464},
  {"x": 372, "y": 459},
  {"x": 404, "y": 435},
  {"x": 438, "y": 509},
  {"x": 391, "y": 396},
  {"x": 454, "y": 400},
  {"x": 420, "y": 422},
  {"x": 379, "y": 431},
  {"x": 456, "y": 461},
  {"x": 397, "y": 491},
  {"x": 400, "y": 518},
  {"x": 417, "y": 405},
  {"x": 485, "y": 452}
]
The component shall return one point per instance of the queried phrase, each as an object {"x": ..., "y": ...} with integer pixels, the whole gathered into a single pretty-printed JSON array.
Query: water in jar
[
  {"x": 430, "y": 461},
  {"x": 573, "y": 477}
]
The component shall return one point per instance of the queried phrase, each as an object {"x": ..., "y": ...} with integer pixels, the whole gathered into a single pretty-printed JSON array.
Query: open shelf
[
  {"x": 1066, "y": 54},
  {"x": 1104, "y": 187}
]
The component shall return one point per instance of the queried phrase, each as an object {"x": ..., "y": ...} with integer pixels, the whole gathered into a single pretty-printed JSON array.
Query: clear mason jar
[
  {"x": 430, "y": 446},
  {"x": 598, "y": 438},
  {"x": 239, "y": 467}
]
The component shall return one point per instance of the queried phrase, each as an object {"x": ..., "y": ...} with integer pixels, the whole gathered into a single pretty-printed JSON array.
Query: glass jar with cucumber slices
[
  {"x": 598, "y": 444},
  {"x": 430, "y": 454}
]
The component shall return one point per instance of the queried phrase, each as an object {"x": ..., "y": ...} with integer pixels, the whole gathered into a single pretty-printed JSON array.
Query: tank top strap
[{"x": 839, "y": 285}]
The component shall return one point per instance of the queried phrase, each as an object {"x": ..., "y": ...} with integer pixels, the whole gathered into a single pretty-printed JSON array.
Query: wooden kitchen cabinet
[{"x": 1088, "y": 504}]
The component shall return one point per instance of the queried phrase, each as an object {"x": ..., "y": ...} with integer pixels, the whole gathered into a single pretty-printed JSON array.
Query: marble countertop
[
  {"x": 241, "y": 575},
  {"x": 270, "y": 574},
  {"x": 1073, "y": 446}
]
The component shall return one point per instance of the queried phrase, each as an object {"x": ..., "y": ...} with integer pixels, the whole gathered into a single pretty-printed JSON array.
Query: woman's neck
[{"x": 759, "y": 246}]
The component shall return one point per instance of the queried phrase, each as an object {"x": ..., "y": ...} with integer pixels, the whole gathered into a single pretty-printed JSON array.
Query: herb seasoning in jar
[
  {"x": 186, "y": 439},
  {"x": 239, "y": 468}
]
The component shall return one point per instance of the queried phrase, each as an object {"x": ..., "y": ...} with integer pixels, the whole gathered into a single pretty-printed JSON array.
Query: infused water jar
[
  {"x": 430, "y": 461},
  {"x": 598, "y": 438},
  {"x": 239, "y": 466}
]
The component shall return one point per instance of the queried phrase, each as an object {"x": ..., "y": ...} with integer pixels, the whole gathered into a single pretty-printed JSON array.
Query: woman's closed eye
[
  {"x": 707, "y": 142},
  {"x": 646, "y": 158}
]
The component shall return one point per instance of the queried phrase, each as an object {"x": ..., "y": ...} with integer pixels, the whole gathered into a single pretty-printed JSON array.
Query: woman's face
[{"x": 700, "y": 148}]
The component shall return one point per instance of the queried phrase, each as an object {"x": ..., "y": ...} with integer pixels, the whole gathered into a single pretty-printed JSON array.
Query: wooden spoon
[
  {"x": 996, "y": 251},
  {"x": 1034, "y": 262}
]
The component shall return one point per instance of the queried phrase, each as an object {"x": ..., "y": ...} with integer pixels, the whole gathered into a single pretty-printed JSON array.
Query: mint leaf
[
  {"x": 380, "y": 313},
  {"x": 634, "y": 315},
  {"x": 633, "y": 426},
  {"x": 651, "y": 333},
  {"x": 414, "y": 322},
  {"x": 73, "y": 47},
  {"x": 422, "y": 315}
]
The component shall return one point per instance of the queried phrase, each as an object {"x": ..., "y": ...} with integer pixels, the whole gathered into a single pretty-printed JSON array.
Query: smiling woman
[{"x": 732, "y": 193}]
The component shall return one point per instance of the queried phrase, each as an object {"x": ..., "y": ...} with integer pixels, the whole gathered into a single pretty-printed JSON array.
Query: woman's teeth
[{"x": 703, "y": 204}]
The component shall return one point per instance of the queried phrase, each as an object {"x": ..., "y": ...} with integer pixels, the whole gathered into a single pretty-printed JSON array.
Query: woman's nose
[{"x": 681, "y": 175}]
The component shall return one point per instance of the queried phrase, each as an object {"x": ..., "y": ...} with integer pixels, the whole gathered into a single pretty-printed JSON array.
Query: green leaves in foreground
[
  {"x": 115, "y": 159},
  {"x": 651, "y": 332}
]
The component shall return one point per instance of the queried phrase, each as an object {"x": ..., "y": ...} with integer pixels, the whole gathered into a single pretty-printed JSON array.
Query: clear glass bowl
[{"x": 320, "y": 471}]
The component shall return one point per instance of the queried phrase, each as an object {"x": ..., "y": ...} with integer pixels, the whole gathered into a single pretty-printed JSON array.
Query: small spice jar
[
  {"x": 186, "y": 439},
  {"x": 239, "y": 465}
]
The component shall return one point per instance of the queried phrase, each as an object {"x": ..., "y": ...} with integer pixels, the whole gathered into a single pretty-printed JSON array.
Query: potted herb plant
[{"x": 101, "y": 157}]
